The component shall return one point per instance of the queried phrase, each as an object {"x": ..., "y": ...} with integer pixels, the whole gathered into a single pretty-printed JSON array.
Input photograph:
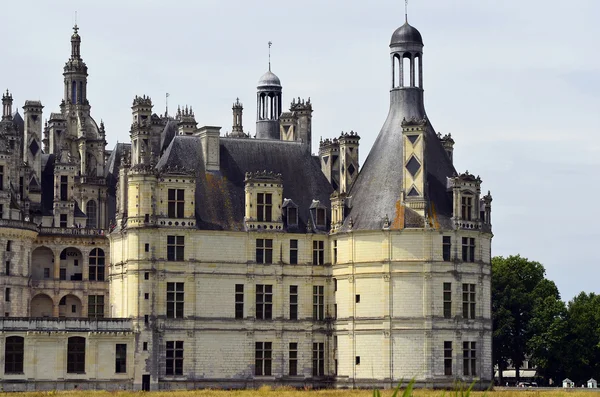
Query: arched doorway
[
  {"x": 71, "y": 264},
  {"x": 42, "y": 263},
  {"x": 41, "y": 306},
  {"x": 69, "y": 306}
]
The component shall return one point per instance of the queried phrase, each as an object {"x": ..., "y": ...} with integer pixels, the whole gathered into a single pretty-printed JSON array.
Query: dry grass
[{"x": 267, "y": 391}]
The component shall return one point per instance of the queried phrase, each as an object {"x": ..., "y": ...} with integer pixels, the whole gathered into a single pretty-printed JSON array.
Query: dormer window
[
  {"x": 318, "y": 214},
  {"x": 290, "y": 211},
  {"x": 264, "y": 205}
]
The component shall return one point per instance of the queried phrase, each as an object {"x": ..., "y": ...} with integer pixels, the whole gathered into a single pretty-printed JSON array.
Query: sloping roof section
[
  {"x": 220, "y": 194},
  {"x": 377, "y": 190}
]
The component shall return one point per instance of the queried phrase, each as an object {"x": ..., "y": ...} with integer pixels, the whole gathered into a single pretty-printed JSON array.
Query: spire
[
  {"x": 270, "y": 44},
  {"x": 406, "y": 11}
]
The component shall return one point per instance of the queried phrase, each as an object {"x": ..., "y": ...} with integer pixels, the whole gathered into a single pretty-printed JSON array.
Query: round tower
[
  {"x": 75, "y": 73},
  {"x": 268, "y": 106}
]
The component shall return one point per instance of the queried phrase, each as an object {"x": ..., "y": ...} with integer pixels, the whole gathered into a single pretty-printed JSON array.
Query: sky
[{"x": 517, "y": 83}]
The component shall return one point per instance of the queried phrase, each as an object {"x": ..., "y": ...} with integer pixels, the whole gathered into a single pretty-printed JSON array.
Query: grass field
[{"x": 286, "y": 392}]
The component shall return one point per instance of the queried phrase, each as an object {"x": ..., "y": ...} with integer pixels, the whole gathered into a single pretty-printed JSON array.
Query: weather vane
[
  {"x": 270, "y": 44},
  {"x": 406, "y": 10}
]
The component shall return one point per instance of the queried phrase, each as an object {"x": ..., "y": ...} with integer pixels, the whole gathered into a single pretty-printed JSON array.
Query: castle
[{"x": 190, "y": 258}]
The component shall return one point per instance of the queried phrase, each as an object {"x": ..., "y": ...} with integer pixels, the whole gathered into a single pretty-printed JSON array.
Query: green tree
[
  {"x": 514, "y": 280},
  {"x": 548, "y": 332},
  {"x": 583, "y": 342}
]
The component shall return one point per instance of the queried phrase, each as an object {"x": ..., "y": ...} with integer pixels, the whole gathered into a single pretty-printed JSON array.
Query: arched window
[
  {"x": 13, "y": 355},
  {"x": 397, "y": 71},
  {"x": 73, "y": 92},
  {"x": 80, "y": 98},
  {"x": 418, "y": 71},
  {"x": 96, "y": 265},
  {"x": 90, "y": 210},
  {"x": 76, "y": 355}
]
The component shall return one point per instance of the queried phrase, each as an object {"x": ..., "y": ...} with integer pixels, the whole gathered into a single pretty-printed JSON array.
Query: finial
[
  {"x": 406, "y": 11},
  {"x": 75, "y": 28},
  {"x": 270, "y": 44}
]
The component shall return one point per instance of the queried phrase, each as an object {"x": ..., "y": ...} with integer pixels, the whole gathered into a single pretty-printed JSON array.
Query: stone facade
[{"x": 189, "y": 259}]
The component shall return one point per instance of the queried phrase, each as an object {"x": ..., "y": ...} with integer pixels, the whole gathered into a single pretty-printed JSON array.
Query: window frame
[
  {"x": 76, "y": 346},
  {"x": 263, "y": 358},
  {"x": 175, "y": 248},
  {"x": 468, "y": 249},
  {"x": 264, "y": 301},
  {"x": 469, "y": 300},
  {"x": 469, "y": 358},
  {"x": 447, "y": 358},
  {"x": 446, "y": 248},
  {"x": 176, "y": 203},
  {"x": 318, "y": 252},
  {"x": 318, "y": 302},
  {"x": 239, "y": 301},
  {"x": 293, "y": 252},
  {"x": 264, "y": 251},
  {"x": 121, "y": 358},
  {"x": 318, "y": 359},
  {"x": 97, "y": 265},
  {"x": 175, "y": 300},
  {"x": 14, "y": 355},
  {"x": 293, "y": 359},
  {"x": 447, "y": 300},
  {"x": 174, "y": 356},
  {"x": 264, "y": 207},
  {"x": 293, "y": 302},
  {"x": 95, "y": 306}
]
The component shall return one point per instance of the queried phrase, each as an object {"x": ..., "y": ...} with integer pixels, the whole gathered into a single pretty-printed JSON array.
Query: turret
[
  {"x": 448, "y": 144},
  {"x": 7, "y": 102},
  {"x": 32, "y": 140},
  {"x": 75, "y": 73},
  {"x": 329, "y": 153},
  {"x": 237, "y": 129},
  {"x": 348, "y": 160},
  {"x": 186, "y": 121},
  {"x": 268, "y": 106},
  {"x": 140, "y": 130},
  {"x": 303, "y": 112}
]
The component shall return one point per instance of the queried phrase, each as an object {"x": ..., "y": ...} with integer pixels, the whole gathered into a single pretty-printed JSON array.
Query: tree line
[{"x": 531, "y": 321}]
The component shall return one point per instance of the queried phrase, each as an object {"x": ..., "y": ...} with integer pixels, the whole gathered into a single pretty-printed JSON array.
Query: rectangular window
[
  {"x": 357, "y": 360},
  {"x": 447, "y": 300},
  {"x": 293, "y": 354},
  {"x": 21, "y": 187},
  {"x": 174, "y": 356},
  {"x": 469, "y": 301},
  {"x": 64, "y": 187},
  {"x": 46, "y": 272},
  {"x": 448, "y": 358},
  {"x": 145, "y": 346},
  {"x": 335, "y": 285},
  {"x": 318, "y": 359},
  {"x": 468, "y": 249},
  {"x": 63, "y": 220},
  {"x": 293, "y": 252},
  {"x": 334, "y": 252},
  {"x": 263, "y": 356},
  {"x": 146, "y": 296},
  {"x": 8, "y": 245},
  {"x": 293, "y": 302},
  {"x": 264, "y": 204},
  {"x": 1, "y": 177},
  {"x": 121, "y": 358},
  {"x": 14, "y": 352},
  {"x": 469, "y": 358},
  {"x": 321, "y": 218},
  {"x": 63, "y": 273},
  {"x": 76, "y": 355},
  {"x": 175, "y": 245},
  {"x": 264, "y": 302},
  {"x": 7, "y": 268},
  {"x": 466, "y": 208},
  {"x": 318, "y": 303},
  {"x": 175, "y": 203},
  {"x": 264, "y": 250},
  {"x": 146, "y": 247},
  {"x": 7, "y": 295},
  {"x": 292, "y": 216},
  {"x": 357, "y": 298},
  {"x": 146, "y": 275},
  {"x": 446, "y": 247},
  {"x": 318, "y": 252},
  {"x": 96, "y": 306},
  {"x": 239, "y": 301},
  {"x": 174, "y": 300}
]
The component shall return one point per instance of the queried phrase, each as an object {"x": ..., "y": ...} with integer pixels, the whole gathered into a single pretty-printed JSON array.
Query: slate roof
[
  {"x": 220, "y": 194},
  {"x": 168, "y": 134},
  {"x": 376, "y": 192}
]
